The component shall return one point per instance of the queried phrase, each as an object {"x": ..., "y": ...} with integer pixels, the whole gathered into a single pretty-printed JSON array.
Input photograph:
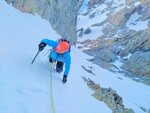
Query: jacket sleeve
[
  {"x": 67, "y": 65},
  {"x": 50, "y": 43}
]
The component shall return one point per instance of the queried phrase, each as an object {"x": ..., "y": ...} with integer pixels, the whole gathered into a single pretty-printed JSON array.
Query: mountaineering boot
[
  {"x": 59, "y": 70},
  {"x": 64, "y": 79},
  {"x": 59, "y": 67}
]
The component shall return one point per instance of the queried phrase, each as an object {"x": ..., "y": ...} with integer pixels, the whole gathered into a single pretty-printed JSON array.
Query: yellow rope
[{"x": 51, "y": 89}]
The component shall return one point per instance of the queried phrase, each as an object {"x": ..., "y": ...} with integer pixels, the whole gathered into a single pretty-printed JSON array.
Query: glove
[
  {"x": 64, "y": 79},
  {"x": 41, "y": 46}
]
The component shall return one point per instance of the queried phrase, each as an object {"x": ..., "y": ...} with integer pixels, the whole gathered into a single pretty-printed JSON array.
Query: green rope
[{"x": 51, "y": 89}]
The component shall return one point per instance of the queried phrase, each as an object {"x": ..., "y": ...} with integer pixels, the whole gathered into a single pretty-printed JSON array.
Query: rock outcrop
[
  {"x": 87, "y": 30},
  {"x": 108, "y": 96},
  {"x": 139, "y": 63},
  {"x": 139, "y": 41},
  {"x": 94, "y": 2},
  {"x": 102, "y": 55},
  {"x": 62, "y": 14},
  {"x": 123, "y": 13},
  {"x": 123, "y": 35},
  {"x": 145, "y": 1}
]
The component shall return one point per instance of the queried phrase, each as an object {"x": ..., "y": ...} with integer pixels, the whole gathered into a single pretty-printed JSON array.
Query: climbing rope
[{"x": 51, "y": 89}]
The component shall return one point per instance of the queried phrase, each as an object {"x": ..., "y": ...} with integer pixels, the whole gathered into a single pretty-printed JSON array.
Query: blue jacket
[{"x": 66, "y": 58}]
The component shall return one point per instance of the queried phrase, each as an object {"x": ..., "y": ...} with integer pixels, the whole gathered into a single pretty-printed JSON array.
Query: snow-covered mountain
[
  {"x": 116, "y": 33},
  {"x": 25, "y": 87}
]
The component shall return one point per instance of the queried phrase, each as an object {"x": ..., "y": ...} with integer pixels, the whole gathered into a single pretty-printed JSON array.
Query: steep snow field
[{"x": 25, "y": 88}]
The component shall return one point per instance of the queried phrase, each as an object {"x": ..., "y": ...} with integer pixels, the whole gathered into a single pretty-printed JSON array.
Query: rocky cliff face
[
  {"x": 108, "y": 96},
  {"x": 61, "y": 14},
  {"x": 125, "y": 34},
  {"x": 94, "y": 2}
]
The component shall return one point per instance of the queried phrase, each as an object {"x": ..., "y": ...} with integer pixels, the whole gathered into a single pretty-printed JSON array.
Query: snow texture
[
  {"x": 25, "y": 88},
  {"x": 135, "y": 23}
]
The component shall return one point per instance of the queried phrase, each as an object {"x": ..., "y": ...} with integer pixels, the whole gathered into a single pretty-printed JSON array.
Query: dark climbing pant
[{"x": 59, "y": 65}]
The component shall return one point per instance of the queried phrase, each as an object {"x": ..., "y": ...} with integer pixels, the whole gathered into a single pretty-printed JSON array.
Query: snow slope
[
  {"x": 85, "y": 22},
  {"x": 25, "y": 88},
  {"x": 134, "y": 24}
]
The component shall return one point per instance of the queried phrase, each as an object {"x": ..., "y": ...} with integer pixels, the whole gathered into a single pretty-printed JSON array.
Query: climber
[{"x": 60, "y": 53}]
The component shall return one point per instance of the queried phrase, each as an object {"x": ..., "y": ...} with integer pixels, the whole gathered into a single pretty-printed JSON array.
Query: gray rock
[
  {"x": 120, "y": 40},
  {"x": 120, "y": 20},
  {"x": 137, "y": 41},
  {"x": 130, "y": 2},
  {"x": 145, "y": 12},
  {"x": 128, "y": 111},
  {"x": 149, "y": 23},
  {"x": 149, "y": 111},
  {"x": 138, "y": 63},
  {"x": 92, "y": 15},
  {"x": 109, "y": 30},
  {"x": 116, "y": 49},
  {"x": 87, "y": 30},
  {"x": 80, "y": 32},
  {"x": 62, "y": 14},
  {"x": 102, "y": 55},
  {"x": 99, "y": 24},
  {"x": 94, "y": 2},
  {"x": 142, "y": 108},
  {"x": 108, "y": 96},
  {"x": 79, "y": 4},
  {"x": 107, "y": 56},
  {"x": 105, "y": 65},
  {"x": 145, "y": 2}
]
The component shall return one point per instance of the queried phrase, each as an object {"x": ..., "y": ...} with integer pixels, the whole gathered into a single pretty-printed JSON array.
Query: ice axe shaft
[{"x": 35, "y": 57}]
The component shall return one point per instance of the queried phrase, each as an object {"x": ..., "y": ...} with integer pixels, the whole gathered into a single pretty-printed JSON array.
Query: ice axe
[
  {"x": 35, "y": 56},
  {"x": 41, "y": 47}
]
